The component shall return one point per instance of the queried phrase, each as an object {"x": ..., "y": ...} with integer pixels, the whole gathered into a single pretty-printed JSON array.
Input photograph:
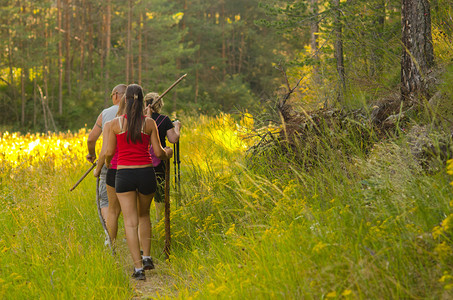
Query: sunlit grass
[
  {"x": 363, "y": 226},
  {"x": 350, "y": 227},
  {"x": 51, "y": 243}
]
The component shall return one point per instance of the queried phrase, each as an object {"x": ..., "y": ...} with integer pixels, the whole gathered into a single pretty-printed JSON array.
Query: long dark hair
[{"x": 134, "y": 111}]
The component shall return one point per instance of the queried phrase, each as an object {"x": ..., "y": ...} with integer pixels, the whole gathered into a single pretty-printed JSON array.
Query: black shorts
[
  {"x": 110, "y": 178},
  {"x": 142, "y": 180}
]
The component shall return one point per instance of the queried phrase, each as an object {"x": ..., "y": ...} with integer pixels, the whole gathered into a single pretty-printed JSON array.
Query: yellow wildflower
[
  {"x": 443, "y": 250},
  {"x": 319, "y": 246},
  {"x": 231, "y": 230},
  {"x": 346, "y": 293},
  {"x": 331, "y": 295}
]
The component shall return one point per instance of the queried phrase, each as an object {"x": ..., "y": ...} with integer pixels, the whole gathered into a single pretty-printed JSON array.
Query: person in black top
[{"x": 167, "y": 130}]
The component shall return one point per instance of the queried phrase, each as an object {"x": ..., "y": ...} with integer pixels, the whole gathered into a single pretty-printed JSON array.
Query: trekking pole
[
  {"x": 167, "y": 210},
  {"x": 83, "y": 176},
  {"x": 104, "y": 226},
  {"x": 174, "y": 163},
  {"x": 179, "y": 166}
]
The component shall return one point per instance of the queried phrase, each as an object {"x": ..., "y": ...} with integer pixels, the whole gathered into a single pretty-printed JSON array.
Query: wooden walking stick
[
  {"x": 167, "y": 210},
  {"x": 83, "y": 176},
  {"x": 149, "y": 102},
  {"x": 172, "y": 86},
  {"x": 101, "y": 218}
]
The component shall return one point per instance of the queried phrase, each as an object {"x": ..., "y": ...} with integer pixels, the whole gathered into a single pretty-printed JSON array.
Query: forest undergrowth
[{"x": 370, "y": 225}]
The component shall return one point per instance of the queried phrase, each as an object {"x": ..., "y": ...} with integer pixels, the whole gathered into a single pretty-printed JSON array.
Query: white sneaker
[{"x": 106, "y": 241}]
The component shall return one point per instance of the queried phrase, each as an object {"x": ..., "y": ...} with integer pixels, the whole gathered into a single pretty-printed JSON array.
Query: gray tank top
[{"x": 109, "y": 114}]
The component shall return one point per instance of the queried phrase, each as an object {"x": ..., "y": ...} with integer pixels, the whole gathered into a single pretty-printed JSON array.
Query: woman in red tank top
[{"x": 132, "y": 135}]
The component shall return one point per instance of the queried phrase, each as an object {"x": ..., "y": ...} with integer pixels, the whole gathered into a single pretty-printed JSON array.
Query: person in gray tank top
[{"x": 105, "y": 116}]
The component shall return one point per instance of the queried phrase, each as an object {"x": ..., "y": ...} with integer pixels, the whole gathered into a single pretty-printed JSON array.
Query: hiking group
[{"x": 131, "y": 166}]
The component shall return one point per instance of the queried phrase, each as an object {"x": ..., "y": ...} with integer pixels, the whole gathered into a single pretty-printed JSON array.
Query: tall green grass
[
  {"x": 350, "y": 226},
  {"x": 358, "y": 222},
  {"x": 51, "y": 242}
]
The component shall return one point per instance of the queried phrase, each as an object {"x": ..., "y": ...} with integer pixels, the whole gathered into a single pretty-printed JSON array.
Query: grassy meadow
[{"x": 362, "y": 226}]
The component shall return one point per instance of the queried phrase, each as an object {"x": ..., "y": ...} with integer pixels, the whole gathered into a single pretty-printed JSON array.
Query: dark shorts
[
  {"x": 142, "y": 180},
  {"x": 110, "y": 178},
  {"x": 160, "y": 177}
]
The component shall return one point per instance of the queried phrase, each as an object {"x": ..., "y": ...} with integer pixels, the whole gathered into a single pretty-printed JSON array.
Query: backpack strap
[
  {"x": 120, "y": 122},
  {"x": 160, "y": 121},
  {"x": 143, "y": 126}
]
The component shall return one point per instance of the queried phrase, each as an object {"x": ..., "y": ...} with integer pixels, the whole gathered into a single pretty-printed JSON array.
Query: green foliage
[
  {"x": 216, "y": 44},
  {"x": 353, "y": 225},
  {"x": 361, "y": 222},
  {"x": 235, "y": 94},
  {"x": 370, "y": 36}
]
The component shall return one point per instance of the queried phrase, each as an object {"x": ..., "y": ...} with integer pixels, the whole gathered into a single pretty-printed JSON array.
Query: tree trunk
[
  {"x": 67, "y": 5},
  {"x": 101, "y": 47},
  {"x": 339, "y": 49},
  {"x": 140, "y": 53},
  {"x": 44, "y": 110},
  {"x": 90, "y": 41},
  {"x": 197, "y": 71},
  {"x": 129, "y": 44},
  {"x": 222, "y": 24},
  {"x": 23, "y": 75},
  {"x": 23, "y": 97},
  {"x": 145, "y": 52},
  {"x": 34, "y": 98},
  {"x": 241, "y": 52},
  {"x": 11, "y": 65},
  {"x": 377, "y": 31},
  {"x": 231, "y": 53},
  {"x": 60, "y": 59},
  {"x": 47, "y": 63},
  {"x": 46, "y": 88},
  {"x": 108, "y": 37},
  {"x": 418, "y": 54},
  {"x": 314, "y": 30},
  {"x": 82, "y": 30},
  {"x": 46, "y": 67}
]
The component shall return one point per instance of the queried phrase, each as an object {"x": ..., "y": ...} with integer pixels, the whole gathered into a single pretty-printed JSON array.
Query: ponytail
[{"x": 134, "y": 111}]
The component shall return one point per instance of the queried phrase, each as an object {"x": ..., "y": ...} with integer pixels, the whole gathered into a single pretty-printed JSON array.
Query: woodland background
[
  {"x": 61, "y": 59},
  {"x": 316, "y": 153}
]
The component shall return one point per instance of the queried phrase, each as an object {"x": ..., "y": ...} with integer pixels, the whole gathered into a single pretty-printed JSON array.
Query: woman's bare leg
[
  {"x": 128, "y": 202},
  {"x": 144, "y": 203},
  {"x": 113, "y": 213}
]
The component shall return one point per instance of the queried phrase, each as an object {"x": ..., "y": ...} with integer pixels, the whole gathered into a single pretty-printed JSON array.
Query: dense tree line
[
  {"x": 361, "y": 49},
  {"x": 61, "y": 58}
]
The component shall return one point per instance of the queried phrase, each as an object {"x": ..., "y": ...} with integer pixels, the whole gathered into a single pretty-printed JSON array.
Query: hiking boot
[
  {"x": 148, "y": 264},
  {"x": 139, "y": 275}
]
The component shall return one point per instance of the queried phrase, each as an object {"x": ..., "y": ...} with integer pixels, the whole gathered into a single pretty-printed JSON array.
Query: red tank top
[{"x": 130, "y": 154}]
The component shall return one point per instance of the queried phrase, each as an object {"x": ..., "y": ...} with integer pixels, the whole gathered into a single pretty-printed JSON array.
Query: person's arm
[
  {"x": 101, "y": 159},
  {"x": 111, "y": 144},
  {"x": 92, "y": 138},
  {"x": 174, "y": 133},
  {"x": 160, "y": 152}
]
